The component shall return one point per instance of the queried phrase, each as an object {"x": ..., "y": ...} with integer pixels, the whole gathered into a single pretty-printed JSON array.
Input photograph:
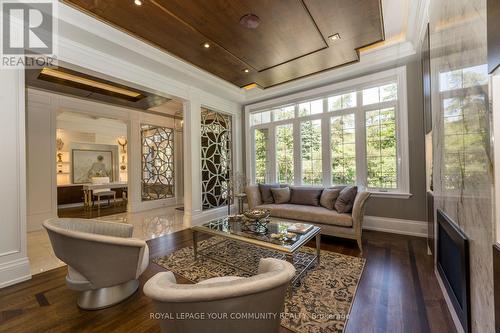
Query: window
[
  {"x": 284, "y": 153},
  {"x": 381, "y": 152},
  {"x": 309, "y": 108},
  {"x": 352, "y": 135},
  {"x": 260, "y": 118},
  {"x": 340, "y": 102},
  {"x": 261, "y": 152},
  {"x": 379, "y": 94},
  {"x": 310, "y": 142},
  {"x": 343, "y": 149},
  {"x": 284, "y": 113}
]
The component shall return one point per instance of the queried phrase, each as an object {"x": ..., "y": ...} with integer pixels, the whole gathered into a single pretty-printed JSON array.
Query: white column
[
  {"x": 192, "y": 158},
  {"x": 14, "y": 265},
  {"x": 41, "y": 114}
]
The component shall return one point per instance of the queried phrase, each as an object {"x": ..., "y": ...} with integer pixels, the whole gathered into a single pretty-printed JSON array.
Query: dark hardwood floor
[{"x": 398, "y": 292}]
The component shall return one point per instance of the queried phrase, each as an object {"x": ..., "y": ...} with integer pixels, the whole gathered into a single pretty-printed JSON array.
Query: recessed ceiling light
[
  {"x": 246, "y": 70},
  {"x": 206, "y": 45},
  {"x": 334, "y": 37},
  {"x": 138, "y": 2}
]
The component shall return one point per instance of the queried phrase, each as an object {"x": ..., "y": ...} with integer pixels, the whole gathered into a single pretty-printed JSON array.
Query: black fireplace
[{"x": 453, "y": 266}]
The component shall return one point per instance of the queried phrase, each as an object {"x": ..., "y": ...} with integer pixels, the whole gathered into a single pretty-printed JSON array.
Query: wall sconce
[
  {"x": 59, "y": 145},
  {"x": 123, "y": 143}
]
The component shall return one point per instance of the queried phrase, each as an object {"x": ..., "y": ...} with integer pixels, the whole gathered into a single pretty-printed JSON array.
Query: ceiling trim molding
[{"x": 368, "y": 61}]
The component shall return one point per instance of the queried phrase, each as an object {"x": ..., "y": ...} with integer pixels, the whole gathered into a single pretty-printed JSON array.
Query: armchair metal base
[{"x": 106, "y": 297}]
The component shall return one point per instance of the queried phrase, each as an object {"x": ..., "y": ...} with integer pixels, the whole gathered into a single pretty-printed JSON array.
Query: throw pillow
[
  {"x": 345, "y": 201},
  {"x": 265, "y": 192},
  {"x": 328, "y": 197},
  {"x": 305, "y": 195},
  {"x": 281, "y": 195}
]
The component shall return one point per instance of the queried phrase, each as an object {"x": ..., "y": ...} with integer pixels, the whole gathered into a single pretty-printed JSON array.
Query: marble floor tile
[{"x": 147, "y": 225}]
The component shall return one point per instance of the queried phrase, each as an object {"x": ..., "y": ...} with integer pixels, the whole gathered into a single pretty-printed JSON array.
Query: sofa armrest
[
  {"x": 253, "y": 196},
  {"x": 358, "y": 209}
]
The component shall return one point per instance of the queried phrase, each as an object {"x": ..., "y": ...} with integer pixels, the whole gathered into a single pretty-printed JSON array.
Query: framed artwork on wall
[{"x": 88, "y": 163}]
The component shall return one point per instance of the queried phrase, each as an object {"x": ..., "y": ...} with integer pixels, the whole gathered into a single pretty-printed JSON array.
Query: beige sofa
[
  {"x": 346, "y": 225},
  {"x": 226, "y": 299}
]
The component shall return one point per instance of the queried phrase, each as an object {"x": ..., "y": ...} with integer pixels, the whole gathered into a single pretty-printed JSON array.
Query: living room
[{"x": 285, "y": 166}]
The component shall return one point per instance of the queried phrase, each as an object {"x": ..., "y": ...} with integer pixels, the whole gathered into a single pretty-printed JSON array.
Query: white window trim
[{"x": 398, "y": 74}]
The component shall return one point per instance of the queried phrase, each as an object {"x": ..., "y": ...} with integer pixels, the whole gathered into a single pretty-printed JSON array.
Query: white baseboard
[
  {"x": 13, "y": 272},
  {"x": 396, "y": 226}
]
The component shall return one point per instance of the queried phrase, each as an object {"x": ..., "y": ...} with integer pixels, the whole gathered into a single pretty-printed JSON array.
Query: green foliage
[
  {"x": 343, "y": 149},
  {"x": 284, "y": 153},
  {"x": 310, "y": 134},
  {"x": 381, "y": 148},
  {"x": 261, "y": 147}
]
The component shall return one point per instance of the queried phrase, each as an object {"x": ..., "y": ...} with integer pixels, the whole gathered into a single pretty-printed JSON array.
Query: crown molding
[{"x": 369, "y": 61}]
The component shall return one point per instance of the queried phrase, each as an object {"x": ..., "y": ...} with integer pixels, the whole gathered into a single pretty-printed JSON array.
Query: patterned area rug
[{"x": 319, "y": 303}]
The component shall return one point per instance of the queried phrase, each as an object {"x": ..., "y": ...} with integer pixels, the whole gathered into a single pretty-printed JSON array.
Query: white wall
[{"x": 14, "y": 266}]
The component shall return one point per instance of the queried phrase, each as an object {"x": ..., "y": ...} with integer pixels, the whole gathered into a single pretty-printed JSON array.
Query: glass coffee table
[{"x": 265, "y": 238}]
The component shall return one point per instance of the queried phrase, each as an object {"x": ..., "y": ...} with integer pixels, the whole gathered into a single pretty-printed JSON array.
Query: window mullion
[
  {"x": 271, "y": 142},
  {"x": 325, "y": 150},
  {"x": 360, "y": 135},
  {"x": 297, "y": 155}
]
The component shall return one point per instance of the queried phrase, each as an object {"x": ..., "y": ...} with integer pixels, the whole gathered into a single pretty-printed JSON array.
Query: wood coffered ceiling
[{"x": 290, "y": 42}]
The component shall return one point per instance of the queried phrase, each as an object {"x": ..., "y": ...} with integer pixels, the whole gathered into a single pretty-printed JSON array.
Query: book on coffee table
[{"x": 299, "y": 228}]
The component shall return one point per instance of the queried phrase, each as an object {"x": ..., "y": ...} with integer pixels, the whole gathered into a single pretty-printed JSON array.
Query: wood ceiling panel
[
  {"x": 357, "y": 20},
  {"x": 272, "y": 43},
  {"x": 290, "y": 42}
]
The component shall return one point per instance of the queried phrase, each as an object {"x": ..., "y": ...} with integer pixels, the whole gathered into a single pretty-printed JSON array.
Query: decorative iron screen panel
[
  {"x": 215, "y": 158},
  {"x": 157, "y": 162}
]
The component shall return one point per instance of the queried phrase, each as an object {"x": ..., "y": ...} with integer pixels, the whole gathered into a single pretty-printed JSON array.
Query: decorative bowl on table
[
  {"x": 256, "y": 220},
  {"x": 257, "y": 214}
]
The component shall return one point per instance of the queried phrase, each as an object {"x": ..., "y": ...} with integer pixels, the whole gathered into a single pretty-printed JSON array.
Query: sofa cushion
[
  {"x": 345, "y": 201},
  {"x": 305, "y": 195},
  {"x": 307, "y": 213},
  {"x": 281, "y": 195},
  {"x": 265, "y": 192},
  {"x": 328, "y": 197}
]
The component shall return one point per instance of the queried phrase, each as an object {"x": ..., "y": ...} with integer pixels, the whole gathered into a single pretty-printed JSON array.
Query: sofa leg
[
  {"x": 360, "y": 245},
  {"x": 105, "y": 297}
]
